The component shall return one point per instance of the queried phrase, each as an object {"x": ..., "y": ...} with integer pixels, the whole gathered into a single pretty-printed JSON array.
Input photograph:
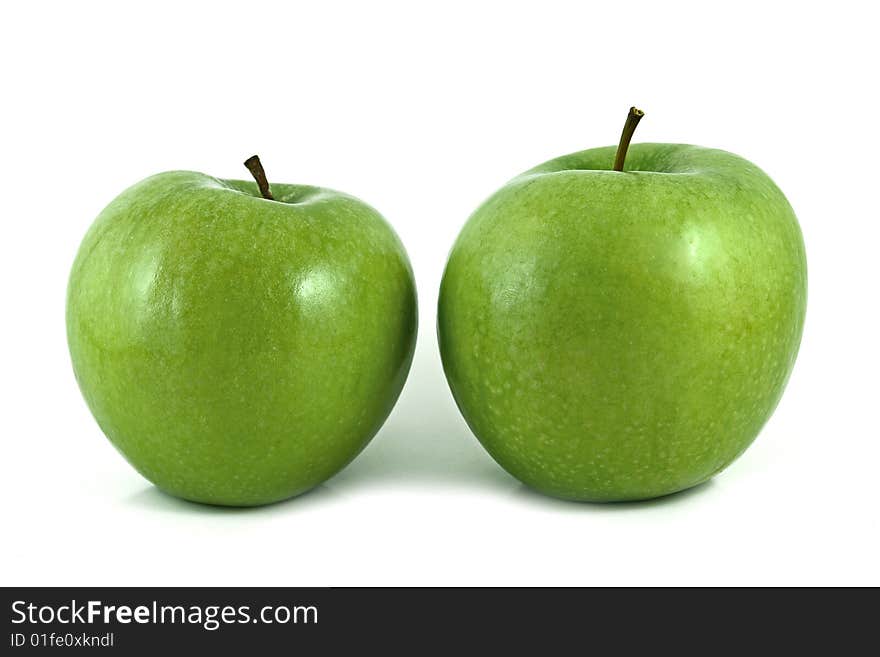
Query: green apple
[
  {"x": 619, "y": 335},
  {"x": 235, "y": 348}
]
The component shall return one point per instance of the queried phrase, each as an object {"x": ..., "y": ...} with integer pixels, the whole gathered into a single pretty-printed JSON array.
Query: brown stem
[
  {"x": 632, "y": 120},
  {"x": 256, "y": 168}
]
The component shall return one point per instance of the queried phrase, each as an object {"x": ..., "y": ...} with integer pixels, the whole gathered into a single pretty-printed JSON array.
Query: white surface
[{"x": 423, "y": 112}]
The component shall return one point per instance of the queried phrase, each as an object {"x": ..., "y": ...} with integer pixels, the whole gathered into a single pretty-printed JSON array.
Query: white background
[{"x": 424, "y": 110}]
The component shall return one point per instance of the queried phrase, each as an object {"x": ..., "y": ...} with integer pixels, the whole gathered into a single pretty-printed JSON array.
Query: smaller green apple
[{"x": 239, "y": 348}]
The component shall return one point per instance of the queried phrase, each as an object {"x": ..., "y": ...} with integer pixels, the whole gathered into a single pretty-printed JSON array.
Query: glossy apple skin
[
  {"x": 239, "y": 351},
  {"x": 615, "y": 336}
]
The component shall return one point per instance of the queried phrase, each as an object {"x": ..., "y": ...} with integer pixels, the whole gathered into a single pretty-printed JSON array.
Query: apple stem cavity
[
  {"x": 632, "y": 120},
  {"x": 256, "y": 168}
]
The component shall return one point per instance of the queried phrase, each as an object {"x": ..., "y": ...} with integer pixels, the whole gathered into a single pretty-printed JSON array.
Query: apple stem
[
  {"x": 632, "y": 120},
  {"x": 256, "y": 168}
]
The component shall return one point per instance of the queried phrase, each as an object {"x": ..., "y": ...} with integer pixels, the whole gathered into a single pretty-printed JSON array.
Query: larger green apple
[
  {"x": 239, "y": 350},
  {"x": 616, "y": 335}
]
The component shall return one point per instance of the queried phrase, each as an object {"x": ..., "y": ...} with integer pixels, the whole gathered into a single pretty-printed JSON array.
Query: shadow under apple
[
  {"x": 530, "y": 496},
  {"x": 152, "y": 498}
]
